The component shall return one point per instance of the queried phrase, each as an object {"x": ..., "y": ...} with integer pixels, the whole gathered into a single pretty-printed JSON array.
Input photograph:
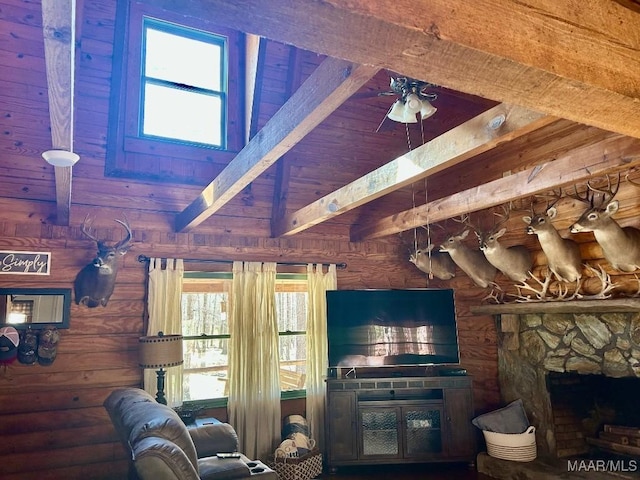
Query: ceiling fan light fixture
[
  {"x": 412, "y": 103},
  {"x": 60, "y": 158},
  {"x": 427, "y": 110},
  {"x": 397, "y": 112}
]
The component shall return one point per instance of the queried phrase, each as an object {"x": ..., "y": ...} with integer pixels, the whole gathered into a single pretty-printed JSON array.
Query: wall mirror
[{"x": 35, "y": 308}]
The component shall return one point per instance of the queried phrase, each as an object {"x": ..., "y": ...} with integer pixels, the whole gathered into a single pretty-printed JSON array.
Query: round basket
[{"x": 518, "y": 447}]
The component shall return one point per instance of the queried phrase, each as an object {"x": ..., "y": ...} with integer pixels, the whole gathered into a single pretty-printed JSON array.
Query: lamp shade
[{"x": 160, "y": 351}]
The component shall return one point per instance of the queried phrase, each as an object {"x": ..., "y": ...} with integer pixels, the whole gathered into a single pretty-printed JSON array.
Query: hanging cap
[{"x": 9, "y": 340}]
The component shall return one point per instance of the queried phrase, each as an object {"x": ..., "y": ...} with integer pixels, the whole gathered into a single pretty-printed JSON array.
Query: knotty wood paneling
[{"x": 52, "y": 421}]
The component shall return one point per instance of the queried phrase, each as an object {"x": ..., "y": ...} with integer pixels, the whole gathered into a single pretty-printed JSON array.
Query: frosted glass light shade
[
  {"x": 427, "y": 110},
  {"x": 60, "y": 158},
  {"x": 400, "y": 113},
  {"x": 397, "y": 112},
  {"x": 412, "y": 103}
]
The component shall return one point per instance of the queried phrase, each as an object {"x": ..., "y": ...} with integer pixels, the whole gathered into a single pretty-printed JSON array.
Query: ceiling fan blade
[{"x": 371, "y": 95}]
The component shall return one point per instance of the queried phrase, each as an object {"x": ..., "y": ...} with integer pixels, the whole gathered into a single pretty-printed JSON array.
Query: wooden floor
[{"x": 417, "y": 471}]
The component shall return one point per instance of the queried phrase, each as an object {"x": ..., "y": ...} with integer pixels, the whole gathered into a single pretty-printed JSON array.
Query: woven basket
[
  {"x": 298, "y": 468},
  {"x": 518, "y": 447}
]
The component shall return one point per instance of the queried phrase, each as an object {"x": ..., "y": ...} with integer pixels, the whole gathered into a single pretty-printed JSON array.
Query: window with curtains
[{"x": 206, "y": 302}]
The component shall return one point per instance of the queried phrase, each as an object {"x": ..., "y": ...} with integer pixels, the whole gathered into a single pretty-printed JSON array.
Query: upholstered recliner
[{"x": 161, "y": 447}]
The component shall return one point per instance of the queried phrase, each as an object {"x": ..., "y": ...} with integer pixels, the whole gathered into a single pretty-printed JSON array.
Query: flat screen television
[{"x": 367, "y": 328}]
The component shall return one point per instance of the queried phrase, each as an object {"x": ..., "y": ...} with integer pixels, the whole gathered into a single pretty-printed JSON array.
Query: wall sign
[{"x": 25, "y": 263}]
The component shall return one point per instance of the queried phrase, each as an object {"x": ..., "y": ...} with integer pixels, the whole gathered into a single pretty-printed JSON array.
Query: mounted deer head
[
  {"x": 515, "y": 262},
  {"x": 471, "y": 262},
  {"x": 435, "y": 264},
  {"x": 94, "y": 284},
  {"x": 563, "y": 254},
  {"x": 620, "y": 246}
]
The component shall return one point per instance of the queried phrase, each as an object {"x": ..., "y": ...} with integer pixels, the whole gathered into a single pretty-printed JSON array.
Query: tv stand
[{"x": 399, "y": 420}]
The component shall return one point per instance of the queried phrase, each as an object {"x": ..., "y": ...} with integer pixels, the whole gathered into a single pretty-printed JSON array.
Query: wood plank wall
[{"x": 51, "y": 418}]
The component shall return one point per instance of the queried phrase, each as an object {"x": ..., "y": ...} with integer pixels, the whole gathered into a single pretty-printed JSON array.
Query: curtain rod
[{"x": 144, "y": 258}]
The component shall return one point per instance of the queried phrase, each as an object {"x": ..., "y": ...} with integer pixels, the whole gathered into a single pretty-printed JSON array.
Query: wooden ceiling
[{"x": 565, "y": 76}]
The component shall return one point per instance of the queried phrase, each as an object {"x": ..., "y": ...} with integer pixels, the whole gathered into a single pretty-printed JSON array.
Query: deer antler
[
  {"x": 606, "y": 286},
  {"x": 584, "y": 198},
  {"x": 125, "y": 241},
  {"x": 86, "y": 228},
  {"x": 540, "y": 295},
  {"x": 608, "y": 194},
  {"x": 504, "y": 216}
]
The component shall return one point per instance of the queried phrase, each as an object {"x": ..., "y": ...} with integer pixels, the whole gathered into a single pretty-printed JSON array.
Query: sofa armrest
[
  {"x": 211, "y": 439},
  {"x": 157, "y": 457}
]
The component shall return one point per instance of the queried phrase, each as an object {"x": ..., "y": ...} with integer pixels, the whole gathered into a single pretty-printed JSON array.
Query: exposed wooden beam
[
  {"x": 325, "y": 90},
  {"x": 58, "y": 26},
  {"x": 283, "y": 167},
  {"x": 461, "y": 143},
  {"x": 577, "y": 62},
  {"x": 609, "y": 155}
]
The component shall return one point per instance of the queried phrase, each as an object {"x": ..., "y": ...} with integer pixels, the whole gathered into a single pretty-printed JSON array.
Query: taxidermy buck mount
[
  {"x": 94, "y": 284},
  {"x": 433, "y": 263},
  {"x": 563, "y": 254},
  {"x": 620, "y": 246},
  {"x": 471, "y": 262},
  {"x": 514, "y": 262}
]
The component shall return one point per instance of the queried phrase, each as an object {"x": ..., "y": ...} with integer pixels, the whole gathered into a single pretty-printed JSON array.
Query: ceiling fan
[{"x": 413, "y": 102}]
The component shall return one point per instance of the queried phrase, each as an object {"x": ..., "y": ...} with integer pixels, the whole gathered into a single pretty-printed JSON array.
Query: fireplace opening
[{"x": 595, "y": 415}]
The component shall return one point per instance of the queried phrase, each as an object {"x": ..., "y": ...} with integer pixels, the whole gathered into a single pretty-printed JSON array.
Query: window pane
[
  {"x": 183, "y": 60},
  {"x": 205, "y": 368},
  {"x": 204, "y": 313},
  {"x": 292, "y": 311},
  {"x": 183, "y": 115},
  {"x": 205, "y": 360},
  {"x": 292, "y": 317}
]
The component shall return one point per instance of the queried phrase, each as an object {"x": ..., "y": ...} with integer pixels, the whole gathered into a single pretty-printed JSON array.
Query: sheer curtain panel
[
  {"x": 165, "y": 315},
  {"x": 317, "y": 355},
  {"x": 254, "y": 365}
]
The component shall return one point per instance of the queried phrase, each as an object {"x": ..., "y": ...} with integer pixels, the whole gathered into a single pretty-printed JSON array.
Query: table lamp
[{"x": 161, "y": 351}]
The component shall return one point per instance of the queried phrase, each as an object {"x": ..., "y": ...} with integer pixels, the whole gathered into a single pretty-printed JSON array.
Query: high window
[
  {"x": 206, "y": 303},
  {"x": 176, "y": 111},
  {"x": 183, "y": 96}
]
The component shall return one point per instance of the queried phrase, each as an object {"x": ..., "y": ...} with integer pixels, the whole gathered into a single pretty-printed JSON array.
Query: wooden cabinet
[{"x": 393, "y": 420}]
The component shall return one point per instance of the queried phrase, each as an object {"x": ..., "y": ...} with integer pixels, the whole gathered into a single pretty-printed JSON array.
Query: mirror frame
[{"x": 66, "y": 307}]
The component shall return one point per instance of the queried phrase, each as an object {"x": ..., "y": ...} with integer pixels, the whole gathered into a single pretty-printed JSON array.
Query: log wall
[
  {"x": 52, "y": 421},
  {"x": 51, "y": 417}
]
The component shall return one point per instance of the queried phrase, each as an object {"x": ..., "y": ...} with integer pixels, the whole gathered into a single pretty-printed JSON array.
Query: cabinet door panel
[
  {"x": 460, "y": 431},
  {"x": 341, "y": 423},
  {"x": 422, "y": 431},
  {"x": 379, "y": 432}
]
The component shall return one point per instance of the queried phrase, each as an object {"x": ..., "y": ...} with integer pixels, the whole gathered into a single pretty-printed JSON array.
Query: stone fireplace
[{"x": 574, "y": 365}]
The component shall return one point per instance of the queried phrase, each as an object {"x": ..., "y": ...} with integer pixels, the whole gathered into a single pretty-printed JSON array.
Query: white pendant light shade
[
  {"x": 400, "y": 113},
  {"x": 427, "y": 109},
  {"x": 412, "y": 103},
  {"x": 60, "y": 158},
  {"x": 409, "y": 117},
  {"x": 397, "y": 112}
]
